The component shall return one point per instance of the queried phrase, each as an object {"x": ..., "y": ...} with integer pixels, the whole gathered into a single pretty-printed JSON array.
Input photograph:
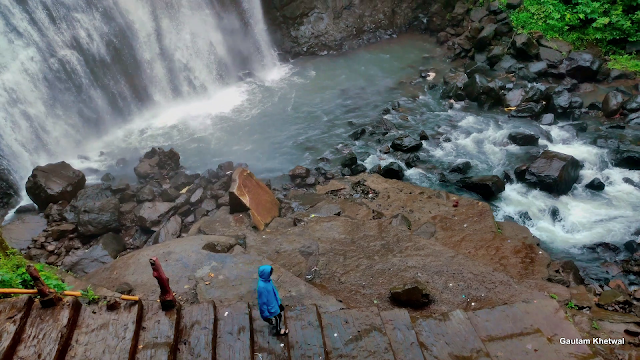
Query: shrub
[{"x": 13, "y": 273}]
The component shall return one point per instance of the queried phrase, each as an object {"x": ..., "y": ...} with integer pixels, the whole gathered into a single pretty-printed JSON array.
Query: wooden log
[
  {"x": 266, "y": 345},
  {"x": 48, "y": 297},
  {"x": 157, "y": 335},
  {"x": 233, "y": 333},
  {"x": 196, "y": 333},
  {"x": 305, "y": 334},
  {"x": 102, "y": 334},
  {"x": 48, "y": 332},
  {"x": 13, "y": 319}
]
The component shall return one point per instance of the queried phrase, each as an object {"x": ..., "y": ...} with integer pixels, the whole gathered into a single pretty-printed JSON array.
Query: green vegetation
[
  {"x": 13, "y": 273},
  {"x": 90, "y": 295},
  {"x": 625, "y": 62},
  {"x": 553, "y": 296},
  {"x": 608, "y": 24},
  {"x": 594, "y": 325},
  {"x": 571, "y": 305}
]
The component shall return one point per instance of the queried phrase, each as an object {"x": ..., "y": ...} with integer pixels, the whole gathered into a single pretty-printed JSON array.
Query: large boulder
[
  {"x": 627, "y": 158},
  {"x": 169, "y": 230},
  {"x": 525, "y": 47},
  {"x": 552, "y": 57},
  {"x": 552, "y": 172},
  {"x": 99, "y": 217},
  {"x": 52, "y": 183},
  {"x": 157, "y": 162},
  {"x": 632, "y": 104},
  {"x": 414, "y": 295},
  {"x": 406, "y": 144},
  {"x": 484, "y": 38},
  {"x": 150, "y": 215},
  {"x": 392, "y": 170},
  {"x": 523, "y": 138},
  {"x": 582, "y": 66},
  {"x": 249, "y": 194},
  {"x": 488, "y": 187},
  {"x": 527, "y": 110},
  {"x": 612, "y": 104},
  {"x": 480, "y": 90}
]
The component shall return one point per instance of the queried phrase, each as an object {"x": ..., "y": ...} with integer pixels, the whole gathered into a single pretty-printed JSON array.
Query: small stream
[{"x": 305, "y": 109}]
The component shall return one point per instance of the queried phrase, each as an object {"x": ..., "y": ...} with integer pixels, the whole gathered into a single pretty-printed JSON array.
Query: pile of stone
[{"x": 90, "y": 225}]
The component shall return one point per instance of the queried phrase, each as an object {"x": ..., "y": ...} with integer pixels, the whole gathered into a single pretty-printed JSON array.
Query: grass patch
[
  {"x": 625, "y": 62},
  {"x": 13, "y": 273}
]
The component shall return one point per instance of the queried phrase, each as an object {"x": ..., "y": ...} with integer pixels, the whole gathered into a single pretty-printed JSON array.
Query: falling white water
[{"x": 72, "y": 71}]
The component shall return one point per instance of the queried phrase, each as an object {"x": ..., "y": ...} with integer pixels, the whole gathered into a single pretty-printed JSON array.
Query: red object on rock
[
  {"x": 455, "y": 203},
  {"x": 48, "y": 297},
  {"x": 167, "y": 300}
]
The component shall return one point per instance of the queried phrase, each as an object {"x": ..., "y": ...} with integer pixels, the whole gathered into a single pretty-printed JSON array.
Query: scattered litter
[
  {"x": 211, "y": 275},
  {"x": 226, "y": 313},
  {"x": 281, "y": 345},
  {"x": 529, "y": 346},
  {"x": 335, "y": 335},
  {"x": 509, "y": 108},
  {"x": 207, "y": 282},
  {"x": 140, "y": 346},
  {"x": 465, "y": 225},
  {"x": 375, "y": 301},
  {"x": 455, "y": 203},
  {"x": 508, "y": 240},
  {"x": 187, "y": 286},
  {"x": 185, "y": 189},
  {"x": 464, "y": 296},
  {"x": 450, "y": 284},
  {"x": 431, "y": 76}
]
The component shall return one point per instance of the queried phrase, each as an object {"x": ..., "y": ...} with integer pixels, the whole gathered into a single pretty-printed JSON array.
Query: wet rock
[
  {"x": 547, "y": 119},
  {"x": 443, "y": 37},
  {"x": 113, "y": 244},
  {"x": 611, "y": 297},
  {"x": 423, "y": 136},
  {"x": 528, "y": 109},
  {"x": 488, "y": 187},
  {"x": 565, "y": 273},
  {"x": 513, "y": 4},
  {"x": 124, "y": 288},
  {"x": 538, "y": 68},
  {"x": 27, "y": 208},
  {"x": 393, "y": 170},
  {"x": 514, "y": 97},
  {"x": 357, "y": 134},
  {"x": 299, "y": 172},
  {"x": 560, "y": 102},
  {"x": 197, "y": 197},
  {"x": 107, "y": 178},
  {"x": 552, "y": 57},
  {"x": 576, "y": 103},
  {"x": 181, "y": 180},
  {"x": 156, "y": 162},
  {"x": 145, "y": 194},
  {"x": 461, "y": 167},
  {"x": 618, "y": 285},
  {"x": 350, "y": 159},
  {"x": 559, "y": 45},
  {"x": 577, "y": 126},
  {"x": 169, "y": 195},
  {"x": 554, "y": 213},
  {"x": 523, "y": 138},
  {"x": 526, "y": 75},
  {"x": 415, "y": 295},
  {"x": 495, "y": 55},
  {"x": 612, "y": 104},
  {"x": 484, "y": 38},
  {"x": 121, "y": 162},
  {"x": 52, "y": 183},
  {"x": 595, "y": 106},
  {"x": 477, "y": 14},
  {"x": 81, "y": 262},
  {"x": 169, "y": 230},
  {"x": 582, "y": 66},
  {"x": 399, "y": 220},
  {"x": 406, "y": 144},
  {"x": 525, "y": 47},
  {"x": 453, "y": 83},
  {"x": 61, "y": 231},
  {"x": 480, "y": 90},
  {"x": 552, "y": 172},
  {"x": 595, "y": 184},
  {"x": 504, "y": 28},
  {"x": 627, "y": 159},
  {"x": 357, "y": 169},
  {"x": 249, "y": 194},
  {"x": 150, "y": 214},
  {"x": 632, "y": 104},
  {"x": 99, "y": 217},
  {"x": 345, "y": 172}
]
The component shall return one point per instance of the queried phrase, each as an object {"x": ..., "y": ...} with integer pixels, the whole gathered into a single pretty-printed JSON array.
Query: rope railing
[{"x": 50, "y": 298}]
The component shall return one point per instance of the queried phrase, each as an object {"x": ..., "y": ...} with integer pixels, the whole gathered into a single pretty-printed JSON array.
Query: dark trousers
[{"x": 276, "y": 321}]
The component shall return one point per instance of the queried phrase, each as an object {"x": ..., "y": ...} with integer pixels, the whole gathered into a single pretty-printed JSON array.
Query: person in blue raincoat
[{"x": 269, "y": 300}]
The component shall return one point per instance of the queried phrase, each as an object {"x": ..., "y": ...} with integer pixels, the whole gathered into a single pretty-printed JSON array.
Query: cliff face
[{"x": 306, "y": 27}]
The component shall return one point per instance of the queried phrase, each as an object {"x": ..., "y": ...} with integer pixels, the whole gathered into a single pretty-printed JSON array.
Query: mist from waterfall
[{"x": 71, "y": 71}]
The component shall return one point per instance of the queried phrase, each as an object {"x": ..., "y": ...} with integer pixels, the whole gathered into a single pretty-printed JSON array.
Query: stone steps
[{"x": 143, "y": 331}]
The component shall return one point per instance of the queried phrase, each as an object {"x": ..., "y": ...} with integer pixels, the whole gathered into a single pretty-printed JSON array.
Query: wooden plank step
[
  {"x": 156, "y": 341},
  {"x": 305, "y": 334},
  {"x": 401, "y": 334},
  {"x": 508, "y": 334},
  {"x": 449, "y": 337},
  {"x": 102, "y": 334},
  {"x": 196, "y": 334},
  {"x": 234, "y": 333},
  {"x": 13, "y": 318},
  {"x": 267, "y": 346},
  {"x": 48, "y": 331},
  {"x": 355, "y": 334}
]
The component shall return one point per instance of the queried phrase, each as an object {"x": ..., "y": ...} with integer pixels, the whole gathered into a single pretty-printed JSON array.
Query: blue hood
[
  {"x": 264, "y": 272},
  {"x": 268, "y": 297}
]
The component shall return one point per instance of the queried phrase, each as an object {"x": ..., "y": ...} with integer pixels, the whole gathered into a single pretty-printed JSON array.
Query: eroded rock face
[
  {"x": 52, "y": 183},
  {"x": 582, "y": 66},
  {"x": 306, "y": 27},
  {"x": 552, "y": 172},
  {"x": 249, "y": 194}
]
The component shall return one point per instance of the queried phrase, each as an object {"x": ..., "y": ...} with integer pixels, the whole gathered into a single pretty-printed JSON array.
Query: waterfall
[{"x": 72, "y": 70}]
